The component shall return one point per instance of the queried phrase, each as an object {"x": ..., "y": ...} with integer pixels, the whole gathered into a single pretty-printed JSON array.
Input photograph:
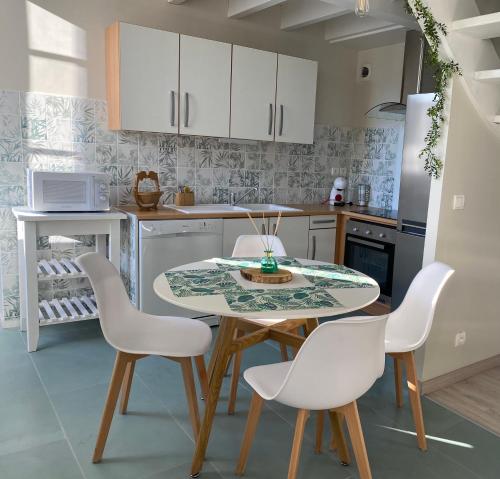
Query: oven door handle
[{"x": 366, "y": 243}]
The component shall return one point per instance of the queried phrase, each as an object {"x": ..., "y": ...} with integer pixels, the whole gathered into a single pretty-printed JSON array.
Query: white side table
[{"x": 30, "y": 225}]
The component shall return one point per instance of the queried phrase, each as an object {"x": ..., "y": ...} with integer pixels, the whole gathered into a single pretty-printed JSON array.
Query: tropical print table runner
[{"x": 219, "y": 281}]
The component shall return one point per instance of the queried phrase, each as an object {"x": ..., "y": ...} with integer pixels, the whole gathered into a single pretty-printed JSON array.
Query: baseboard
[
  {"x": 453, "y": 377},
  {"x": 10, "y": 324}
]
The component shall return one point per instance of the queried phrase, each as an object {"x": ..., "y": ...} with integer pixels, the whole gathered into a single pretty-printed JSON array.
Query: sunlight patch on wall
[{"x": 49, "y": 33}]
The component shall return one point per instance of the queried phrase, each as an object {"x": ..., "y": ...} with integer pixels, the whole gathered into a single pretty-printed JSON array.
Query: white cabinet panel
[
  {"x": 294, "y": 233},
  {"x": 253, "y": 93},
  {"x": 295, "y": 99},
  {"x": 205, "y": 86},
  {"x": 236, "y": 227},
  {"x": 322, "y": 244},
  {"x": 148, "y": 79}
]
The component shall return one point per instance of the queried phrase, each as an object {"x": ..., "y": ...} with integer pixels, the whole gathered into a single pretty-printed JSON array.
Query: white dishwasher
[{"x": 166, "y": 244}]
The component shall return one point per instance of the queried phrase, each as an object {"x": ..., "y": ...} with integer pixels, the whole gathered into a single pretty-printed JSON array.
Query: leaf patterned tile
[
  {"x": 13, "y": 173},
  {"x": 103, "y": 135},
  {"x": 11, "y": 150},
  {"x": 149, "y": 158},
  {"x": 166, "y": 158},
  {"x": 220, "y": 177},
  {"x": 237, "y": 178},
  {"x": 128, "y": 138},
  {"x": 220, "y": 159},
  {"x": 236, "y": 160},
  {"x": 266, "y": 179},
  {"x": 83, "y": 131},
  {"x": 267, "y": 161},
  {"x": 127, "y": 154},
  {"x": 266, "y": 195},
  {"x": 33, "y": 105},
  {"x": 82, "y": 110},
  {"x": 101, "y": 111},
  {"x": 186, "y": 176},
  {"x": 186, "y": 157},
  {"x": 168, "y": 177},
  {"x": 221, "y": 195},
  {"x": 58, "y": 107},
  {"x": 59, "y": 129},
  {"x": 294, "y": 180},
  {"x": 252, "y": 161},
  {"x": 252, "y": 178},
  {"x": 204, "y": 177},
  {"x": 204, "y": 194},
  {"x": 168, "y": 142},
  {"x": 12, "y": 195},
  {"x": 106, "y": 154},
  {"x": 10, "y": 127}
]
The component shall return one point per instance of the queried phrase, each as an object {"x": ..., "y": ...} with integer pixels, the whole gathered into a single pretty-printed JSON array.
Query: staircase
[{"x": 469, "y": 42}]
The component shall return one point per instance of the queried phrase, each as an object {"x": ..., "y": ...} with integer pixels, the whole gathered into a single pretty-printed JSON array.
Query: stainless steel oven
[{"x": 369, "y": 248}]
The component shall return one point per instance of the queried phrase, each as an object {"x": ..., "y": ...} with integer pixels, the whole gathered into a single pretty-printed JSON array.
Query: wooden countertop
[{"x": 358, "y": 212}]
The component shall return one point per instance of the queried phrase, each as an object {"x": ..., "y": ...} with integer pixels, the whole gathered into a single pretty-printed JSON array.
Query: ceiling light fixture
[{"x": 362, "y": 8}]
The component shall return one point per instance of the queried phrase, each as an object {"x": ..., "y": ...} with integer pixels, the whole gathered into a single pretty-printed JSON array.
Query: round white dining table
[{"x": 260, "y": 311}]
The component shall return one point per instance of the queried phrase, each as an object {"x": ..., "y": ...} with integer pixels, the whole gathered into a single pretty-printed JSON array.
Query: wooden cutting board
[{"x": 257, "y": 276}]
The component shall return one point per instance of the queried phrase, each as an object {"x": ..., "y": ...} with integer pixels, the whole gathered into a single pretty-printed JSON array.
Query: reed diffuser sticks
[{"x": 268, "y": 245}]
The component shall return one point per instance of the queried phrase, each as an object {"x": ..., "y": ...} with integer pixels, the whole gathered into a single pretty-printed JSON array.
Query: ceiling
[{"x": 385, "y": 24}]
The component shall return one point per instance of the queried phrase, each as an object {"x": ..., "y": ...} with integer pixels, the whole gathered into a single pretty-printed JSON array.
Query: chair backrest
[
  {"x": 337, "y": 364},
  {"x": 412, "y": 321},
  {"x": 115, "y": 308},
  {"x": 251, "y": 246}
]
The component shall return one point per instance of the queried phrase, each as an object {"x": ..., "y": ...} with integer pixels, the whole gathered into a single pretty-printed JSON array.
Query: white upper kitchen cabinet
[
  {"x": 142, "y": 70},
  {"x": 295, "y": 99},
  {"x": 253, "y": 94},
  {"x": 205, "y": 86}
]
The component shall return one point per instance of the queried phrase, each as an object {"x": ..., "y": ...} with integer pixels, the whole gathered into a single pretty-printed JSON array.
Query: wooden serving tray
[{"x": 257, "y": 276}]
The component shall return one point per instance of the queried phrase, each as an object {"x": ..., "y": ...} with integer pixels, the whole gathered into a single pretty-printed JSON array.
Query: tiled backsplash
[{"x": 70, "y": 134}]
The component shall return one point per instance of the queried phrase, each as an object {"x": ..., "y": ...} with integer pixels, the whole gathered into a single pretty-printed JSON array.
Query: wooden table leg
[
  {"x": 235, "y": 377},
  {"x": 222, "y": 352}
]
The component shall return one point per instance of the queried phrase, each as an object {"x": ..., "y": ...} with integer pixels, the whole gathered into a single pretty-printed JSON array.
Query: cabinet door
[
  {"x": 236, "y": 227},
  {"x": 295, "y": 99},
  {"x": 322, "y": 245},
  {"x": 294, "y": 233},
  {"x": 148, "y": 79},
  {"x": 205, "y": 86},
  {"x": 253, "y": 93}
]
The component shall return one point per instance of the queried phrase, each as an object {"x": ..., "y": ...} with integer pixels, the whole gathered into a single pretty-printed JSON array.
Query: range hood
[{"x": 417, "y": 78}]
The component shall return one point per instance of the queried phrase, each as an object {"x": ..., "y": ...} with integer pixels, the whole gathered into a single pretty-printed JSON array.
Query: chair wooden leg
[
  {"x": 338, "y": 439},
  {"x": 126, "y": 386},
  {"x": 398, "y": 379},
  {"x": 414, "y": 393},
  {"x": 284, "y": 352},
  {"x": 250, "y": 428},
  {"x": 187, "y": 374},
  {"x": 320, "y": 416},
  {"x": 109, "y": 408},
  {"x": 235, "y": 376},
  {"x": 298, "y": 436},
  {"x": 202, "y": 375},
  {"x": 357, "y": 439}
]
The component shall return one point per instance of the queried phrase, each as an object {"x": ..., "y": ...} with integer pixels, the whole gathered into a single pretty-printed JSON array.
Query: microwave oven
[{"x": 54, "y": 191}]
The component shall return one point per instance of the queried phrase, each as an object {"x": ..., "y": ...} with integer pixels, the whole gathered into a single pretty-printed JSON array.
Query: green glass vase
[{"x": 268, "y": 263}]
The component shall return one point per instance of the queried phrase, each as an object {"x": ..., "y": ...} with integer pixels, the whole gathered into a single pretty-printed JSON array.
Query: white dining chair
[
  {"x": 135, "y": 335},
  {"x": 251, "y": 246},
  {"x": 338, "y": 362},
  {"x": 407, "y": 330}
]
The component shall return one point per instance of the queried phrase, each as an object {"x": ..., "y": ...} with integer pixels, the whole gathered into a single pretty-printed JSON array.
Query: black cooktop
[{"x": 379, "y": 212}]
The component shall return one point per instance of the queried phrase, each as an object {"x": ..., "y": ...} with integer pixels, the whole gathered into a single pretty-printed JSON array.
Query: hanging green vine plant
[{"x": 443, "y": 71}]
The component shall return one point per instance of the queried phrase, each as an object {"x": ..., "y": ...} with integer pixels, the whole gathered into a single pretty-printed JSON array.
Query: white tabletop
[
  {"x": 330, "y": 290},
  {"x": 23, "y": 213}
]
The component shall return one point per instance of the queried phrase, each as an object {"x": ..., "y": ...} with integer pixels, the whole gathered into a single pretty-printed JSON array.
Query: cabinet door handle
[
  {"x": 281, "y": 120},
  {"x": 186, "y": 109},
  {"x": 270, "y": 127},
  {"x": 263, "y": 229},
  {"x": 314, "y": 247},
  {"x": 172, "y": 108},
  {"x": 274, "y": 229}
]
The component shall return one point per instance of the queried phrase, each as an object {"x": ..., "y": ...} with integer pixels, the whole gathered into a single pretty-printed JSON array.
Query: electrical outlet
[
  {"x": 460, "y": 338},
  {"x": 458, "y": 202}
]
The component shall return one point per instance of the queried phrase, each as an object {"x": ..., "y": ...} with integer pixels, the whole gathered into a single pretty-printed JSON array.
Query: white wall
[
  {"x": 469, "y": 241},
  {"x": 57, "y": 46},
  {"x": 384, "y": 83}
]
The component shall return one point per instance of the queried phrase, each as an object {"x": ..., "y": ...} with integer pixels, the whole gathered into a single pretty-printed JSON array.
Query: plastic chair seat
[
  {"x": 267, "y": 379},
  {"x": 398, "y": 345},
  {"x": 164, "y": 336}
]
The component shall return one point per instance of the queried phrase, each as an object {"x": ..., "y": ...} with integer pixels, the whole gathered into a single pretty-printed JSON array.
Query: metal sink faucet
[{"x": 232, "y": 196}]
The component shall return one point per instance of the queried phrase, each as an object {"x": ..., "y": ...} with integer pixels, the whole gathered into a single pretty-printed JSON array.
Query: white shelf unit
[
  {"x": 31, "y": 225},
  {"x": 66, "y": 310},
  {"x": 488, "y": 75},
  {"x": 482, "y": 26}
]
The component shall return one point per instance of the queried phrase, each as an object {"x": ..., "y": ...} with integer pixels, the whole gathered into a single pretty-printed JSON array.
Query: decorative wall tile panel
[{"x": 63, "y": 133}]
